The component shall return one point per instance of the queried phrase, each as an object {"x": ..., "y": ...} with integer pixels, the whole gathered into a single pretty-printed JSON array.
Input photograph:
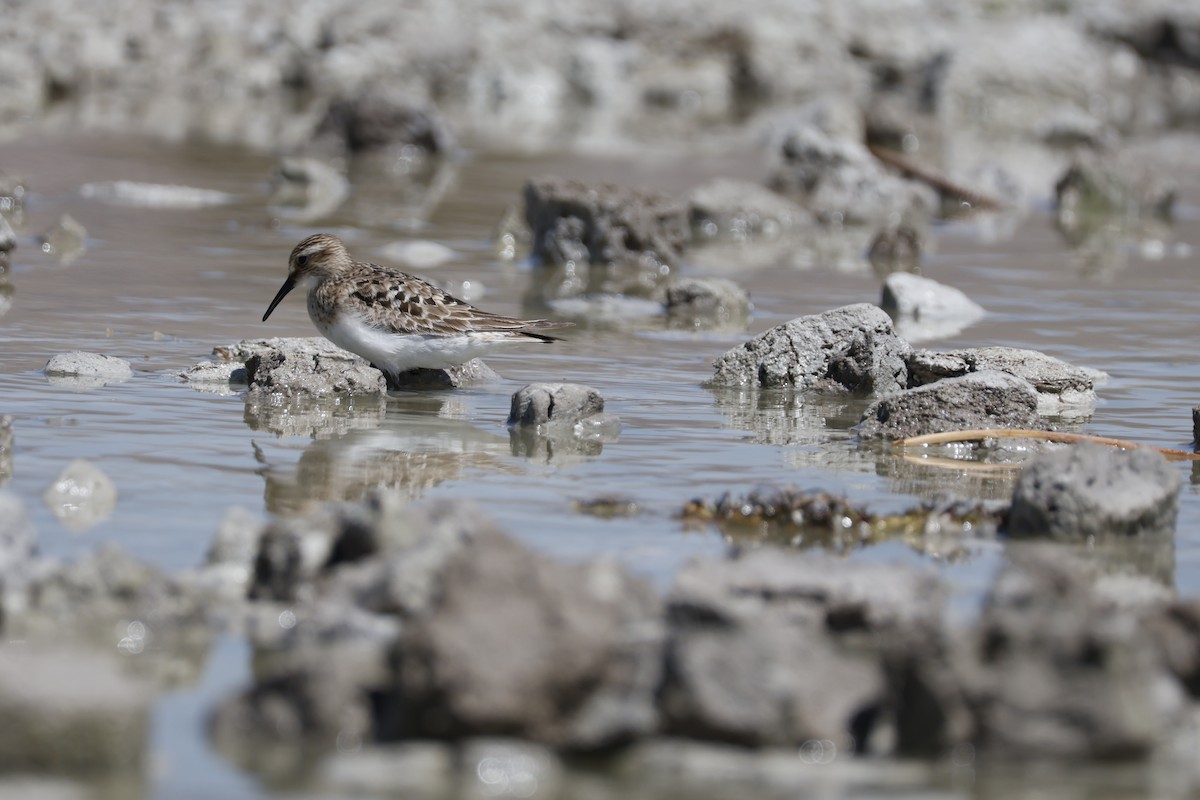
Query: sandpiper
[{"x": 396, "y": 321}]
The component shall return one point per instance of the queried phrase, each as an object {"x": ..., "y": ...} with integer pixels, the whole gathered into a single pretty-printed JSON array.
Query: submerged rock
[
  {"x": 604, "y": 224},
  {"x": 81, "y": 496},
  {"x": 986, "y": 399},
  {"x": 1093, "y": 491},
  {"x": 553, "y": 420},
  {"x": 86, "y": 370},
  {"x": 849, "y": 349},
  {"x": 560, "y": 404}
]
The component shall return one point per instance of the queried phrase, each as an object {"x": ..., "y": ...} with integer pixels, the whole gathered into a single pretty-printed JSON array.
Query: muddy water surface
[{"x": 162, "y": 287}]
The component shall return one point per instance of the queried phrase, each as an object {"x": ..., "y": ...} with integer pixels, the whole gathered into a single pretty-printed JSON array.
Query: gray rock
[
  {"x": 218, "y": 377},
  {"x": 557, "y": 404},
  {"x": 18, "y": 539},
  {"x": 1062, "y": 388},
  {"x": 70, "y": 710},
  {"x": 740, "y": 210},
  {"x": 926, "y": 309},
  {"x": 155, "y": 195},
  {"x": 518, "y": 644},
  {"x": 848, "y": 349},
  {"x": 81, "y": 369},
  {"x": 987, "y": 399},
  {"x": 604, "y": 224},
  {"x": 1091, "y": 490},
  {"x": 67, "y": 239},
  {"x": 839, "y": 181},
  {"x": 749, "y": 636},
  {"x": 383, "y": 117},
  {"x": 81, "y": 496},
  {"x": 313, "y": 367},
  {"x": 1062, "y": 674},
  {"x": 697, "y": 302}
]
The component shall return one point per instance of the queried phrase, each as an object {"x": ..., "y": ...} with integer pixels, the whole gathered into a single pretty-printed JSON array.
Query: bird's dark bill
[{"x": 288, "y": 285}]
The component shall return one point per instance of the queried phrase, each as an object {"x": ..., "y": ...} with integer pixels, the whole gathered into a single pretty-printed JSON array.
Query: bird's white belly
[{"x": 396, "y": 353}]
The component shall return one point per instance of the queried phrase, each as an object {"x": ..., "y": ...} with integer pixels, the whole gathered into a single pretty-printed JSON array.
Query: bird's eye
[{"x": 301, "y": 260}]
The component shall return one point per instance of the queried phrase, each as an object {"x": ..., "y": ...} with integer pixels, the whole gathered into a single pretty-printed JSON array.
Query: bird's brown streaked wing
[{"x": 405, "y": 304}]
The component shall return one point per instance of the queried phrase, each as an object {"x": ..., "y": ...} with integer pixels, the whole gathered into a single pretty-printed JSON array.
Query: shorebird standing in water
[{"x": 394, "y": 320}]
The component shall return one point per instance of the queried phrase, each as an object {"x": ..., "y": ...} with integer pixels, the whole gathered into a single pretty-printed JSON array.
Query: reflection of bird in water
[
  {"x": 396, "y": 321},
  {"x": 408, "y": 459}
]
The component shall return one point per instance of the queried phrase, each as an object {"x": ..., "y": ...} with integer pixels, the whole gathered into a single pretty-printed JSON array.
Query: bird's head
[{"x": 316, "y": 258}]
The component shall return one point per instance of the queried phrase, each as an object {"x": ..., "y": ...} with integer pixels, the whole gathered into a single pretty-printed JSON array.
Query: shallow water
[{"x": 163, "y": 287}]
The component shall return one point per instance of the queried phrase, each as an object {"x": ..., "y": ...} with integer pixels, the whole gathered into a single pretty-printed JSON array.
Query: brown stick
[
  {"x": 1048, "y": 436},
  {"x": 932, "y": 177}
]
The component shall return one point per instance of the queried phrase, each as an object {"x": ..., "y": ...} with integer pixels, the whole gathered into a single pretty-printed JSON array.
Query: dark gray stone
[
  {"x": 987, "y": 399},
  {"x": 517, "y": 644},
  {"x": 556, "y": 404},
  {"x": 1061, "y": 387},
  {"x": 1090, "y": 490},
  {"x": 81, "y": 369},
  {"x": 68, "y": 709},
  {"x": 383, "y": 116},
  {"x": 608, "y": 224},
  {"x": 849, "y": 349},
  {"x": 780, "y": 648}
]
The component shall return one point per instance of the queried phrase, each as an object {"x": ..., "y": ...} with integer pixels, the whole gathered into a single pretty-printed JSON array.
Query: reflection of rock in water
[
  {"x": 6, "y": 449},
  {"x": 786, "y": 417},
  {"x": 410, "y": 459},
  {"x": 305, "y": 416}
]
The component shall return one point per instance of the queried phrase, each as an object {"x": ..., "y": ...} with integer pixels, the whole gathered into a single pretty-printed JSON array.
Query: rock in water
[
  {"x": 1091, "y": 490},
  {"x": 849, "y": 349}
]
